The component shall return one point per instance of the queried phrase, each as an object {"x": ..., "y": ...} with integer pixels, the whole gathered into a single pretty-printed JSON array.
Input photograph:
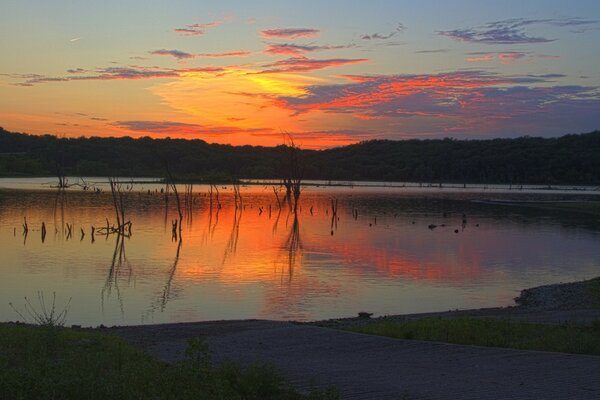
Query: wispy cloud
[
  {"x": 181, "y": 128},
  {"x": 178, "y": 54},
  {"x": 132, "y": 72},
  {"x": 433, "y": 51},
  {"x": 182, "y": 55},
  {"x": 303, "y": 64},
  {"x": 506, "y": 57},
  {"x": 381, "y": 36},
  {"x": 239, "y": 53},
  {"x": 511, "y": 31},
  {"x": 289, "y": 33},
  {"x": 291, "y": 49},
  {"x": 200, "y": 29}
]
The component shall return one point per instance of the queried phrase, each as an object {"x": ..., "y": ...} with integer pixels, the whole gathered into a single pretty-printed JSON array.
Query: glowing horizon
[{"x": 246, "y": 73}]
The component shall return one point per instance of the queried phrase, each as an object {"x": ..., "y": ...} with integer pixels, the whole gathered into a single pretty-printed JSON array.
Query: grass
[
  {"x": 42, "y": 362},
  {"x": 566, "y": 338},
  {"x": 593, "y": 292},
  {"x": 589, "y": 207}
]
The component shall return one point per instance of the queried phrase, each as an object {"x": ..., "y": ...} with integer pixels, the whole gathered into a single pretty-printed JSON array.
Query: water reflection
[
  {"x": 166, "y": 294},
  {"x": 339, "y": 253},
  {"x": 293, "y": 245},
  {"x": 119, "y": 267}
]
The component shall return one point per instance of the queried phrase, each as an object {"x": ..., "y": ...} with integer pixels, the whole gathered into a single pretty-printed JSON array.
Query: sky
[{"x": 328, "y": 73}]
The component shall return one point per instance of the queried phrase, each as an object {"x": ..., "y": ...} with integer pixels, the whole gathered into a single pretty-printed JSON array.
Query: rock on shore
[{"x": 564, "y": 296}]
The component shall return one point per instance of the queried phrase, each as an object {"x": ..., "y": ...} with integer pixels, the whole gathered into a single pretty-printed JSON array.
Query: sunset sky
[{"x": 328, "y": 72}]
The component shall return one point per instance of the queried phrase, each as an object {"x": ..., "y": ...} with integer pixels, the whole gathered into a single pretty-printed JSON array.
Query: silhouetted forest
[{"x": 570, "y": 159}]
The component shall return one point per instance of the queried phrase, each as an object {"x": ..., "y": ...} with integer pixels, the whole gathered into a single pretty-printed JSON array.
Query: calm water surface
[{"x": 254, "y": 261}]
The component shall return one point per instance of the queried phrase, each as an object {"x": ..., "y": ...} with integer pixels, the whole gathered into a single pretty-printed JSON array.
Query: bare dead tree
[
  {"x": 171, "y": 183},
  {"x": 123, "y": 226},
  {"x": 293, "y": 170}
]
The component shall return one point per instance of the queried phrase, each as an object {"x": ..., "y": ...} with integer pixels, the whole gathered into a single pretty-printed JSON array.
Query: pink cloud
[
  {"x": 290, "y": 49},
  {"x": 303, "y": 64},
  {"x": 240, "y": 53},
  {"x": 289, "y": 33},
  {"x": 200, "y": 29},
  {"x": 466, "y": 102},
  {"x": 511, "y": 57}
]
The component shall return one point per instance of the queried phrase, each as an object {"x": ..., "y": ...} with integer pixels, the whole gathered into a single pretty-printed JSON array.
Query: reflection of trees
[{"x": 119, "y": 260}]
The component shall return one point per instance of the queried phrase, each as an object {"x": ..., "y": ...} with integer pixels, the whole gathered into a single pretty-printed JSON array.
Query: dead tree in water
[
  {"x": 293, "y": 170},
  {"x": 122, "y": 227},
  {"x": 171, "y": 183}
]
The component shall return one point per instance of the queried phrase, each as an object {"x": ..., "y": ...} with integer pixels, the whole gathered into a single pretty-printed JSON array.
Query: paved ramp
[{"x": 370, "y": 367}]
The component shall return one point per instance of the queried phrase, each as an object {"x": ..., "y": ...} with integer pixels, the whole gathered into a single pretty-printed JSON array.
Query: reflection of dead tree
[
  {"x": 122, "y": 227},
  {"x": 277, "y": 197},
  {"x": 237, "y": 196},
  {"x": 231, "y": 246},
  {"x": 216, "y": 195},
  {"x": 334, "y": 217},
  {"x": 119, "y": 260},
  {"x": 293, "y": 246},
  {"x": 189, "y": 202},
  {"x": 276, "y": 223},
  {"x": 25, "y": 230},
  {"x": 167, "y": 289},
  {"x": 212, "y": 223}
]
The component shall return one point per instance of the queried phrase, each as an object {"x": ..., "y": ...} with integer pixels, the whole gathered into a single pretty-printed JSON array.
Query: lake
[{"x": 250, "y": 259}]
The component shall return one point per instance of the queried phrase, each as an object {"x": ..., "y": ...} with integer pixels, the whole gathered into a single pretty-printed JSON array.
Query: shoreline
[
  {"x": 577, "y": 302},
  {"x": 547, "y": 304}
]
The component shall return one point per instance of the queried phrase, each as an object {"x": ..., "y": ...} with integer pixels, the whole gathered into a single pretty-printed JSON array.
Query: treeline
[{"x": 570, "y": 159}]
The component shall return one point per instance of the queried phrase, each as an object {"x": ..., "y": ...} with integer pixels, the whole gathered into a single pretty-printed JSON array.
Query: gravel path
[{"x": 370, "y": 367}]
